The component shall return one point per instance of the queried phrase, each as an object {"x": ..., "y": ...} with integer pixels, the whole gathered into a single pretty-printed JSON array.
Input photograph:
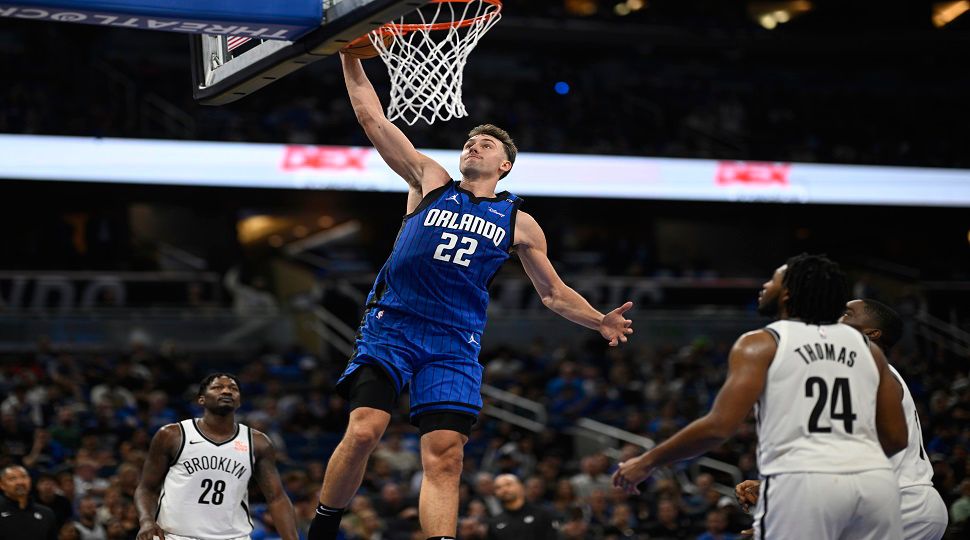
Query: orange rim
[{"x": 402, "y": 29}]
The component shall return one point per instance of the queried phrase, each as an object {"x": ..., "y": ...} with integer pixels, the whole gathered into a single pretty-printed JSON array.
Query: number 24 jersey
[{"x": 817, "y": 412}]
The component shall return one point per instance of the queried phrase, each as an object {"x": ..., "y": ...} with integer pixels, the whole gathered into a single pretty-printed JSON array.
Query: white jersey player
[
  {"x": 924, "y": 514},
  {"x": 207, "y": 475},
  {"x": 818, "y": 439},
  {"x": 828, "y": 414},
  {"x": 194, "y": 485}
]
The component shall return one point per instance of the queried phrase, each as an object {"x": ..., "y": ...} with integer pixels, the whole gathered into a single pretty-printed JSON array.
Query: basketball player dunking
[
  {"x": 195, "y": 482},
  {"x": 828, "y": 414},
  {"x": 426, "y": 312},
  {"x": 923, "y": 512}
]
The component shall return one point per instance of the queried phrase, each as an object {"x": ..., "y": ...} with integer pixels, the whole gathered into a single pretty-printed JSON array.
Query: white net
[{"x": 427, "y": 56}]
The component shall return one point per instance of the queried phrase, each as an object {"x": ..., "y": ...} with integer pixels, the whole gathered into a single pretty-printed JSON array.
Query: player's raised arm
[
  {"x": 890, "y": 418},
  {"x": 555, "y": 294},
  {"x": 160, "y": 454},
  {"x": 268, "y": 479},
  {"x": 747, "y": 370},
  {"x": 418, "y": 170}
]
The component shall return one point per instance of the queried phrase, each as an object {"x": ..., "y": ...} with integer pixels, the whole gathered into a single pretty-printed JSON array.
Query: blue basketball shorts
[{"x": 439, "y": 362}]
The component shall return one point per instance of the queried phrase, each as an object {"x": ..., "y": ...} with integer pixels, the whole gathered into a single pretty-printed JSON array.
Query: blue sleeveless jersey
[{"x": 445, "y": 256}]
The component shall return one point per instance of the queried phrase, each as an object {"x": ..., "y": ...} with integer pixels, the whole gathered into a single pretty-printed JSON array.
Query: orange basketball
[{"x": 362, "y": 48}]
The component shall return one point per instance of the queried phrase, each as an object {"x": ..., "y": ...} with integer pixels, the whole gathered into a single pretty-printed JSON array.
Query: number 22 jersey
[
  {"x": 817, "y": 412},
  {"x": 205, "y": 493},
  {"x": 445, "y": 256}
]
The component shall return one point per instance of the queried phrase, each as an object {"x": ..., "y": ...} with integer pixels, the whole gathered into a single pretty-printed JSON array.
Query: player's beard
[
  {"x": 769, "y": 306},
  {"x": 222, "y": 409}
]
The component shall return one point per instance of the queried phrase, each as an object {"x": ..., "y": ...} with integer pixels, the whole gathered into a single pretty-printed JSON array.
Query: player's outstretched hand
[
  {"x": 630, "y": 474},
  {"x": 150, "y": 531},
  {"x": 747, "y": 493},
  {"x": 615, "y": 327}
]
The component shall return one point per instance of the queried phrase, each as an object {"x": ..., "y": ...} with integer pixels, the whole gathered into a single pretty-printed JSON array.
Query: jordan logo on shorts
[{"x": 471, "y": 339}]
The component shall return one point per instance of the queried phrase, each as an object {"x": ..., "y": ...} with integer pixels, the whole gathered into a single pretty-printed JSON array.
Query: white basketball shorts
[
  {"x": 826, "y": 506},
  {"x": 924, "y": 513}
]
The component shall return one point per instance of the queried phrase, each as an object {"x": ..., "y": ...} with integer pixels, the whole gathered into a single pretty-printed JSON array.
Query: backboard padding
[{"x": 219, "y": 78}]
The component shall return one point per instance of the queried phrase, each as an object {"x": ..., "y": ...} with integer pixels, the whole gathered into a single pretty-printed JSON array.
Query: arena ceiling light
[
  {"x": 945, "y": 12},
  {"x": 583, "y": 8},
  {"x": 628, "y": 6},
  {"x": 770, "y": 13}
]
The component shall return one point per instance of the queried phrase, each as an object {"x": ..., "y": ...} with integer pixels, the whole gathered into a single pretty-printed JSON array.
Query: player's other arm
[
  {"x": 160, "y": 454},
  {"x": 268, "y": 478},
  {"x": 556, "y": 295},
  {"x": 417, "y": 169},
  {"x": 748, "y": 365},
  {"x": 890, "y": 418}
]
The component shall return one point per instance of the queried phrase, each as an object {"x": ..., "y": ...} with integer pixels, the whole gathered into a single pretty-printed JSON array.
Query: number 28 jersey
[
  {"x": 817, "y": 412},
  {"x": 445, "y": 256},
  {"x": 205, "y": 493}
]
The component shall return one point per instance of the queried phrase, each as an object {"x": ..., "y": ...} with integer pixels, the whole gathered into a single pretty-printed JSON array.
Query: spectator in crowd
[
  {"x": 535, "y": 491},
  {"x": 22, "y": 518},
  {"x": 394, "y": 507},
  {"x": 392, "y": 451},
  {"x": 622, "y": 523},
  {"x": 485, "y": 492},
  {"x": 116, "y": 530},
  {"x": 575, "y": 527},
  {"x": 87, "y": 523},
  {"x": 87, "y": 481},
  {"x": 369, "y": 525},
  {"x": 715, "y": 527},
  {"x": 697, "y": 502},
  {"x": 564, "y": 499},
  {"x": 68, "y": 532},
  {"x": 593, "y": 476},
  {"x": 472, "y": 529},
  {"x": 518, "y": 519},
  {"x": 16, "y": 437},
  {"x": 669, "y": 524},
  {"x": 47, "y": 495},
  {"x": 45, "y": 452},
  {"x": 960, "y": 509},
  {"x": 112, "y": 394}
]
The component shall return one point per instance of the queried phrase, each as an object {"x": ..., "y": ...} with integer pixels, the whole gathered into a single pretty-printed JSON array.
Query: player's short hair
[
  {"x": 5, "y": 468},
  {"x": 502, "y": 136},
  {"x": 213, "y": 376},
  {"x": 817, "y": 289},
  {"x": 886, "y": 320}
]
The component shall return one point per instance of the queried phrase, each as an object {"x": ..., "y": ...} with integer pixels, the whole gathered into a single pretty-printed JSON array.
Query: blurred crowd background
[
  {"x": 115, "y": 301},
  {"x": 840, "y": 82},
  {"x": 81, "y": 423}
]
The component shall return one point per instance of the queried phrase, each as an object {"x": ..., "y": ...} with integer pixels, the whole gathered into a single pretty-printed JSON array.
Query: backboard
[{"x": 227, "y": 68}]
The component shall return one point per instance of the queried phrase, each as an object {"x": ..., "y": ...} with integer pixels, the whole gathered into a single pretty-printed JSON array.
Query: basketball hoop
[{"x": 425, "y": 60}]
